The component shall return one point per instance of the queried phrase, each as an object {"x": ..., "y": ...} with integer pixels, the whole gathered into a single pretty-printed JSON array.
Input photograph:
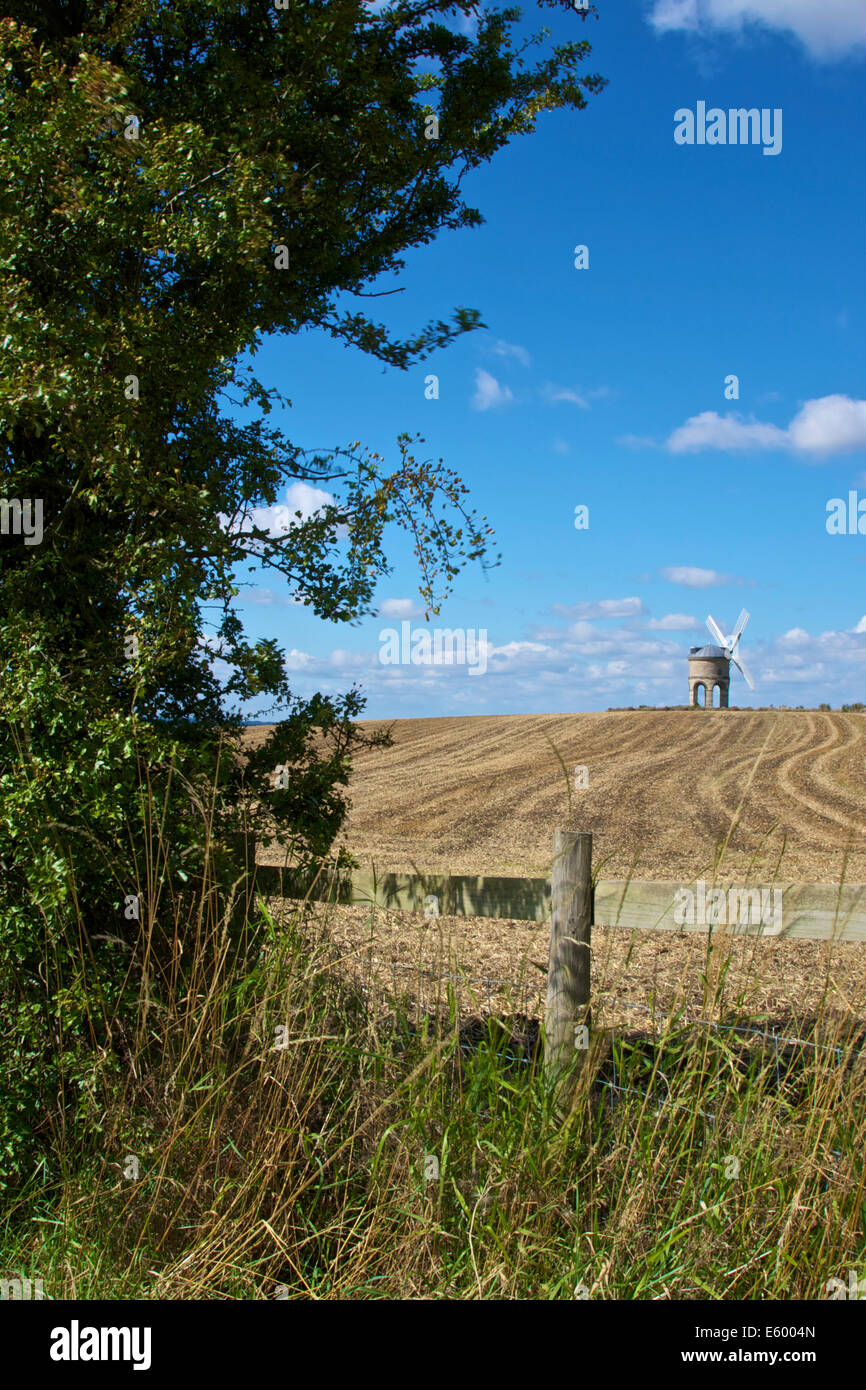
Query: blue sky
[{"x": 605, "y": 386}]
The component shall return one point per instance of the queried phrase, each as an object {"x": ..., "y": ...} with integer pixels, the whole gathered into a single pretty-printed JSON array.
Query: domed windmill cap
[{"x": 708, "y": 653}]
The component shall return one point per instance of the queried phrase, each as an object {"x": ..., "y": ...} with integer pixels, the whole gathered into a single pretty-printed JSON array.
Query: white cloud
[
  {"x": 344, "y": 660},
  {"x": 301, "y": 497},
  {"x": 400, "y": 608},
  {"x": 257, "y": 594},
  {"x": 279, "y": 519},
  {"x": 561, "y": 446},
  {"x": 790, "y": 675},
  {"x": 607, "y": 652},
  {"x": 584, "y": 666},
  {"x": 828, "y": 662},
  {"x": 709, "y": 430},
  {"x": 488, "y": 392},
  {"x": 830, "y": 425},
  {"x": 829, "y": 29},
  {"x": 695, "y": 578},
  {"x": 582, "y": 399},
  {"x": 636, "y": 441},
  {"x": 565, "y": 393},
  {"x": 516, "y": 653},
  {"x": 823, "y": 426},
  {"x": 297, "y": 661},
  {"x": 504, "y": 349},
  {"x": 582, "y": 631},
  {"x": 602, "y": 608},
  {"x": 673, "y": 622}
]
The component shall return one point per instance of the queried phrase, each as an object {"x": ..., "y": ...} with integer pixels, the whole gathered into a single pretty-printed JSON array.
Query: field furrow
[{"x": 667, "y": 789}]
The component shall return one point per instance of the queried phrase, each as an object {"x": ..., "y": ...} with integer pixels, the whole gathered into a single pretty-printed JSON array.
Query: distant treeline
[{"x": 856, "y": 708}]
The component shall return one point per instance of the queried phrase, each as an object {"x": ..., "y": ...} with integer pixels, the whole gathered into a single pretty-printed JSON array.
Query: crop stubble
[{"x": 782, "y": 793}]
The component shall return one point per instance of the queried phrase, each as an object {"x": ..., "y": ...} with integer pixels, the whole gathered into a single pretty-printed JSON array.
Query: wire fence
[
  {"x": 532, "y": 994},
  {"x": 532, "y": 999},
  {"x": 529, "y": 992}
]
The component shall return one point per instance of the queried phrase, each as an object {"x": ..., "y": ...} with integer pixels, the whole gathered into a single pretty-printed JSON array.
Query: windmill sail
[{"x": 729, "y": 644}]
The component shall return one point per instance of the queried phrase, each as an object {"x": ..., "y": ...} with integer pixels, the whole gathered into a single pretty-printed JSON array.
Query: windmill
[{"x": 710, "y": 666}]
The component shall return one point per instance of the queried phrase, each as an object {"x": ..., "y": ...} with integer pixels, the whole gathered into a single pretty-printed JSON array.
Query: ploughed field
[{"x": 781, "y": 793}]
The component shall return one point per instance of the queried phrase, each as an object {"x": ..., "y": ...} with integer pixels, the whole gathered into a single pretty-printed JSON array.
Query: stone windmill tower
[{"x": 710, "y": 666}]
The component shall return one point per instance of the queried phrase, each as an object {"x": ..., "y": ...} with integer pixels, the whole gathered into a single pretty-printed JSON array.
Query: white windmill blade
[
  {"x": 716, "y": 631},
  {"x": 743, "y": 672},
  {"x": 740, "y": 628}
]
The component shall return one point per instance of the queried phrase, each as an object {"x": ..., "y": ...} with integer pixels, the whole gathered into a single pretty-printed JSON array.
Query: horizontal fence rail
[{"x": 811, "y": 911}]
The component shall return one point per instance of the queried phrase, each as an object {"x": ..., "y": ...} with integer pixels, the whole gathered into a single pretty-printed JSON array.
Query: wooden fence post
[{"x": 567, "y": 1018}]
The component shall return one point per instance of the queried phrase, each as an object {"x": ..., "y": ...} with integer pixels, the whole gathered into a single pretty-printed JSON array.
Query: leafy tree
[{"x": 178, "y": 180}]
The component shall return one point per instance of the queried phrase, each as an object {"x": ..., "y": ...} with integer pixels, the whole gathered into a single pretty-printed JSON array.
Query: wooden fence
[
  {"x": 810, "y": 911},
  {"x": 573, "y": 904}
]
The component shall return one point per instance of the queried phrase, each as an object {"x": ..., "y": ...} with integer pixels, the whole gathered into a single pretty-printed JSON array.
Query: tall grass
[{"x": 281, "y": 1131}]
